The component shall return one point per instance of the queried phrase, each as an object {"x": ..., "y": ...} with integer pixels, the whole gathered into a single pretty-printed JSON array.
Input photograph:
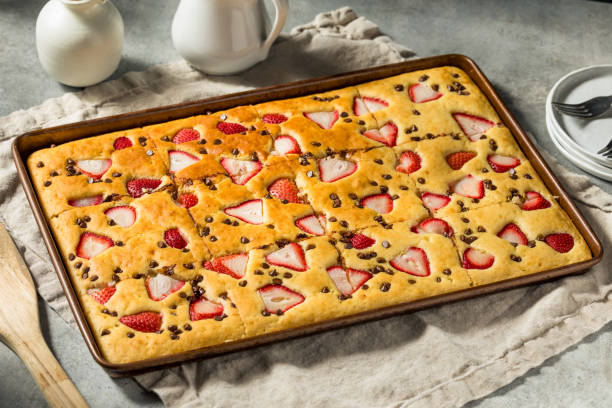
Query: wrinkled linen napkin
[{"x": 442, "y": 357}]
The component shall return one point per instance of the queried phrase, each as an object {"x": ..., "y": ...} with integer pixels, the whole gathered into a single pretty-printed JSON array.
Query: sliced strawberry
[
  {"x": 458, "y": 159},
  {"x": 325, "y": 120},
  {"x": 122, "y": 215},
  {"x": 367, "y": 104},
  {"x": 311, "y": 224},
  {"x": 231, "y": 128},
  {"x": 241, "y": 171},
  {"x": 359, "y": 107},
  {"x": 433, "y": 226},
  {"x": 348, "y": 280},
  {"x": 435, "y": 201},
  {"x": 469, "y": 186},
  {"x": 285, "y": 190},
  {"x": 249, "y": 211},
  {"x": 360, "y": 241},
  {"x": 278, "y": 299},
  {"x": 146, "y": 322},
  {"x": 185, "y": 135},
  {"x": 381, "y": 203},
  {"x": 85, "y": 201},
  {"x": 534, "y": 201},
  {"x": 94, "y": 168},
  {"x": 188, "y": 200},
  {"x": 414, "y": 262},
  {"x": 385, "y": 135},
  {"x": 501, "y": 164},
  {"x": 290, "y": 256},
  {"x": 175, "y": 239},
  {"x": 420, "y": 93},
  {"x": 409, "y": 162},
  {"x": 139, "y": 187},
  {"x": 179, "y": 160},
  {"x": 274, "y": 118},
  {"x": 476, "y": 259},
  {"x": 332, "y": 168},
  {"x": 102, "y": 295},
  {"x": 91, "y": 244},
  {"x": 122, "y": 143},
  {"x": 204, "y": 309},
  {"x": 513, "y": 234},
  {"x": 233, "y": 265},
  {"x": 284, "y": 145},
  {"x": 560, "y": 242},
  {"x": 161, "y": 286},
  {"x": 473, "y": 126}
]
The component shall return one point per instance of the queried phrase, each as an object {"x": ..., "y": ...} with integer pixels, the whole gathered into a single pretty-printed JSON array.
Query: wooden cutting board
[{"x": 20, "y": 328}]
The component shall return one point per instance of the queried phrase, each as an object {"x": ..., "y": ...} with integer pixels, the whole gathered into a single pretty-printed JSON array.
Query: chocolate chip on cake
[
  {"x": 446, "y": 271},
  {"x": 398, "y": 87},
  {"x": 385, "y": 286},
  {"x": 325, "y": 289},
  {"x": 423, "y": 78}
]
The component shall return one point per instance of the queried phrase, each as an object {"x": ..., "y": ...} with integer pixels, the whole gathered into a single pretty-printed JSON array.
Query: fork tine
[
  {"x": 606, "y": 149},
  {"x": 577, "y": 114},
  {"x": 570, "y": 105},
  {"x": 570, "y": 109}
]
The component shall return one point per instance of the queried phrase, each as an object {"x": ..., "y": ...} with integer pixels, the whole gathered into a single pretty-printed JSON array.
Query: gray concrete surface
[{"x": 523, "y": 46}]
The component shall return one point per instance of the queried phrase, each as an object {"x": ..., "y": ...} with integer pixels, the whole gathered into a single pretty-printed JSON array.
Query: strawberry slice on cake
[
  {"x": 86, "y": 201},
  {"x": 146, "y": 322},
  {"x": 285, "y": 190},
  {"x": 122, "y": 215},
  {"x": 386, "y": 135},
  {"x": 562, "y": 243},
  {"x": 312, "y": 224},
  {"x": 250, "y": 211},
  {"x": 161, "y": 286},
  {"x": 241, "y": 171},
  {"x": 233, "y": 265},
  {"x": 91, "y": 244},
  {"x": 469, "y": 186},
  {"x": 513, "y": 234},
  {"x": 433, "y": 226},
  {"x": 185, "y": 135},
  {"x": 477, "y": 259},
  {"x": 414, "y": 262},
  {"x": 290, "y": 256},
  {"x": 474, "y": 127},
  {"x": 456, "y": 160},
  {"x": 139, "y": 187},
  {"x": 501, "y": 164},
  {"x": 381, "y": 203},
  {"x": 203, "y": 308},
  {"x": 180, "y": 159},
  {"x": 324, "y": 119},
  {"x": 333, "y": 169},
  {"x": 534, "y": 201},
  {"x": 435, "y": 201},
  {"x": 421, "y": 93},
  {"x": 274, "y": 118},
  {"x": 277, "y": 299},
  {"x": 102, "y": 295},
  {"x": 230, "y": 128},
  {"x": 360, "y": 241},
  {"x": 94, "y": 168},
  {"x": 348, "y": 280},
  {"x": 284, "y": 145},
  {"x": 175, "y": 239},
  {"x": 122, "y": 143},
  {"x": 409, "y": 162},
  {"x": 367, "y": 104}
]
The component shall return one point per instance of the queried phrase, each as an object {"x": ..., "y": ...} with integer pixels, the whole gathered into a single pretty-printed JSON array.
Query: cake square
[
  {"x": 195, "y": 147},
  {"x": 81, "y": 173},
  {"x": 511, "y": 242},
  {"x": 318, "y": 124},
  {"x": 361, "y": 189}
]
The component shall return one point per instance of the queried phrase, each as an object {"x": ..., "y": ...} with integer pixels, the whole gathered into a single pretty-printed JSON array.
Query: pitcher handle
[{"x": 282, "y": 9}]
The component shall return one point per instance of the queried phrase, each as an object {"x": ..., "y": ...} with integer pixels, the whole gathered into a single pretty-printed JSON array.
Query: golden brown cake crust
[{"x": 234, "y": 224}]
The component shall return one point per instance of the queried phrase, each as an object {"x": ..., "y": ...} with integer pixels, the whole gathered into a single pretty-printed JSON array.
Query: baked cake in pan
[{"x": 215, "y": 228}]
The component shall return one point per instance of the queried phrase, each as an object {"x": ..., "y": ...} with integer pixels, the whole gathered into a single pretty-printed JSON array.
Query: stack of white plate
[{"x": 580, "y": 139}]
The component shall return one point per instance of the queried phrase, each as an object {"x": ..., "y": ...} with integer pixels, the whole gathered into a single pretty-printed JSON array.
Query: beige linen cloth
[{"x": 442, "y": 357}]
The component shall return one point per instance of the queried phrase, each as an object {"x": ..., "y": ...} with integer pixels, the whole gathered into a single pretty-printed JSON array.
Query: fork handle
[{"x": 55, "y": 385}]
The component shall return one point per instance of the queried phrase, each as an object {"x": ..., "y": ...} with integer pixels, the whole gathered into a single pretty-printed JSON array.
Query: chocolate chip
[
  {"x": 265, "y": 313},
  {"x": 360, "y": 122},
  {"x": 242, "y": 283},
  {"x": 40, "y": 164},
  {"x": 71, "y": 257},
  {"x": 527, "y": 176},
  {"x": 78, "y": 264},
  {"x": 415, "y": 138},
  {"x": 217, "y": 141},
  {"x": 208, "y": 219},
  {"x": 325, "y": 289},
  {"x": 387, "y": 176},
  {"x": 277, "y": 281},
  {"x": 315, "y": 143},
  {"x": 310, "y": 246},
  {"x": 398, "y": 87},
  {"x": 385, "y": 286},
  {"x": 309, "y": 173},
  {"x": 384, "y": 189},
  {"x": 212, "y": 238},
  {"x": 47, "y": 183},
  {"x": 94, "y": 278},
  {"x": 265, "y": 265},
  {"x": 403, "y": 187},
  {"x": 421, "y": 180},
  {"x": 481, "y": 229},
  {"x": 423, "y": 78},
  {"x": 435, "y": 87},
  {"x": 446, "y": 271},
  {"x": 386, "y": 244},
  {"x": 515, "y": 258},
  {"x": 244, "y": 240},
  {"x": 130, "y": 335},
  {"x": 344, "y": 224}
]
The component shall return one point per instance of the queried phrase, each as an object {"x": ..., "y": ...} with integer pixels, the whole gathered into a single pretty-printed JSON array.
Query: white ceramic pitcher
[
  {"x": 79, "y": 42},
  {"x": 225, "y": 36}
]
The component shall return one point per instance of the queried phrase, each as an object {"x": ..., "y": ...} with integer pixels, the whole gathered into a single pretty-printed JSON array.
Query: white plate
[
  {"x": 583, "y": 135},
  {"x": 575, "y": 157}
]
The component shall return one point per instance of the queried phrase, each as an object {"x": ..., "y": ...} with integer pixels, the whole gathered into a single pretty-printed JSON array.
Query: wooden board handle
[{"x": 55, "y": 385}]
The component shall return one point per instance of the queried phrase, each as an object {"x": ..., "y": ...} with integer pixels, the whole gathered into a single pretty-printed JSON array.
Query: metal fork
[
  {"x": 607, "y": 150},
  {"x": 587, "y": 109}
]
